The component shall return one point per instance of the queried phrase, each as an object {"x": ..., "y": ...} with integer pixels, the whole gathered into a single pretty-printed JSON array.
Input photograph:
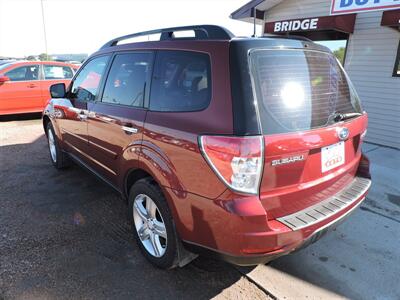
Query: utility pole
[
  {"x": 254, "y": 22},
  {"x": 44, "y": 29}
]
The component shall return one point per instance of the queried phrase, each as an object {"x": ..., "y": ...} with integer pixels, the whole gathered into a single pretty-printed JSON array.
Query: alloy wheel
[
  {"x": 150, "y": 225},
  {"x": 52, "y": 145}
]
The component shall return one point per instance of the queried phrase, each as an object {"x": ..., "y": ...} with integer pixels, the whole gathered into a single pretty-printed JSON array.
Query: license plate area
[{"x": 332, "y": 156}]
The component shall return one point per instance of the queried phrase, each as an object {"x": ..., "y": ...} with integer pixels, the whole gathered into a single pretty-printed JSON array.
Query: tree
[
  {"x": 44, "y": 56},
  {"x": 31, "y": 57},
  {"x": 339, "y": 53}
]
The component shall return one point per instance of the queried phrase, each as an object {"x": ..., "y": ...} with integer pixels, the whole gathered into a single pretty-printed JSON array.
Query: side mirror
[
  {"x": 57, "y": 90},
  {"x": 4, "y": 78}
]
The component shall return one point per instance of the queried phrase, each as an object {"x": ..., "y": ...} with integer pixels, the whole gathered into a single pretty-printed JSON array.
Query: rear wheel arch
[
  {"x": 132, "y": 177},
  {"x": 156, "y": 161},
  {"x": 182, "y": 256}
]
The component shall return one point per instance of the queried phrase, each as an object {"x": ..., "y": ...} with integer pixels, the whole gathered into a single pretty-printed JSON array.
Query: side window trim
[
  {"x": 150, "y": 81},
  {"x": 147, "y": 82},
  {"x": 103, "y": 79},
  {"x": 110, "y": 54}
]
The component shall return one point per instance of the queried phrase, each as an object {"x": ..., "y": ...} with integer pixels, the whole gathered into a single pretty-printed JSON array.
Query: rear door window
[
  {"x": 126, "y": 82},
  {"x": 26, "y": 73},
  {"x": 57, "y": 72},
  {"x": 181, "y": 81},
  {"x": 300, "y": 90}
]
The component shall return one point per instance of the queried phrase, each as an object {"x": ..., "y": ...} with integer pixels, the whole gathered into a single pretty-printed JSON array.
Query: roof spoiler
[{"x": 202, "y": 32}]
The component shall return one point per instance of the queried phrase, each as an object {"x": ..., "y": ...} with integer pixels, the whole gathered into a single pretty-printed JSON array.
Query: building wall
[
  {"x": 370, "y": 59},
  {"x": 291, "y": 9}
]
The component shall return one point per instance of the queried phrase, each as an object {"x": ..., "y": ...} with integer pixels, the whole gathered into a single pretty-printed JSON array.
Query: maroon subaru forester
[{"x": 243, "y": 148}]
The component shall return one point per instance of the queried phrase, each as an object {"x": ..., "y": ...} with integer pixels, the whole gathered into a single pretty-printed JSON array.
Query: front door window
[
  {"x": 26, "y": 73},
  {"x": 86, "y": 85}
]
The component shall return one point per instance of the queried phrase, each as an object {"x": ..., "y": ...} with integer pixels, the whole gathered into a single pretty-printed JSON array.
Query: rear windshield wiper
[{"x": 337, "y": 117}]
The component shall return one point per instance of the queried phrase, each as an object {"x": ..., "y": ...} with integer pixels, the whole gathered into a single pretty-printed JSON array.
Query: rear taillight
[{"x": 238, "y": 161}]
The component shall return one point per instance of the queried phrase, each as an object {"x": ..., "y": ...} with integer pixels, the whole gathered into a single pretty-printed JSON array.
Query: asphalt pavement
[{"x": 64, "y": 235}]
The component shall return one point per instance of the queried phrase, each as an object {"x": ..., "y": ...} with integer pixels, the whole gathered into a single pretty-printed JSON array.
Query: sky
[{"x": 83, "y": 26}]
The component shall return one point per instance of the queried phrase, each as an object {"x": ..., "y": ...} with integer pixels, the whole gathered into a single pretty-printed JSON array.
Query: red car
[
  {"x": 24, "y": 85},
  {"x": 242, "y": 148}
]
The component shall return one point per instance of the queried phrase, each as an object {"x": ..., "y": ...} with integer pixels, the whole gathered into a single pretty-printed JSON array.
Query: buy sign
[{"x": 351, "y": 6}]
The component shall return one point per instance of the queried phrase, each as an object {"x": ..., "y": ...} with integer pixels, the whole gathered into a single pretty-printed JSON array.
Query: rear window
[
  {"x": 299, "y": 90},
  {"x": 52, "y": 72}
]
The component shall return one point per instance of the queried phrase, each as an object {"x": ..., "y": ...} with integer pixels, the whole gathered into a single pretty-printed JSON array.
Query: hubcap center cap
[{"x": 150, "y": 224}]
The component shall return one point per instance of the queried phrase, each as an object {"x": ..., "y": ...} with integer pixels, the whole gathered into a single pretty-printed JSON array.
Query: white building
[{"x": 370, "y": 30}]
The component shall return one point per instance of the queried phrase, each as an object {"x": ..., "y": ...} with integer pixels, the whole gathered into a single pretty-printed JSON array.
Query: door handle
[
  {"x": 129, "y": 129},
  {"x": 83, "y": 115},
  {"x": 31, "y": 86}
]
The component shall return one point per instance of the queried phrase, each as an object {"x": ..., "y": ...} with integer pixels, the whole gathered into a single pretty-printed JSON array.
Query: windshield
[{"x": 300, "y": 90}]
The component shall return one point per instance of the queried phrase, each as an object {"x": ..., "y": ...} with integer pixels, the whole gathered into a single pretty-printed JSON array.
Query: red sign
[
  {"x": 342, "y": 23},
  {"x": 391, "y": 18}
]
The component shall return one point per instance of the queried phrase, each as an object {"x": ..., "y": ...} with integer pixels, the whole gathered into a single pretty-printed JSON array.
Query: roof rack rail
[
  {"x": 202, "y": 32},
  {"x": 287, "y": 36}
]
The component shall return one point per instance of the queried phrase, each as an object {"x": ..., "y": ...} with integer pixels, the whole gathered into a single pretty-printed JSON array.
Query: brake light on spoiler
[{"x": 237, "y": 161}]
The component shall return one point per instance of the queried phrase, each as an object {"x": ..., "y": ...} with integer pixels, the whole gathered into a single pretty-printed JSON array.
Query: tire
[
  {"x": 162, "y": 252},
  {"x": 58, "y": 158}
]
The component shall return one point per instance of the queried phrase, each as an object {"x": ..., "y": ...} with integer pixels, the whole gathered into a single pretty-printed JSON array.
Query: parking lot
[{"x": 63, "y": 234}]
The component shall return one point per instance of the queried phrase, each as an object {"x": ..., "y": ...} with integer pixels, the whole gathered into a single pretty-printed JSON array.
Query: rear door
[
  {"x": 115, "y": 124},
  {"x": 309, "y": 153},
  {"x": 23, "y": 92}
]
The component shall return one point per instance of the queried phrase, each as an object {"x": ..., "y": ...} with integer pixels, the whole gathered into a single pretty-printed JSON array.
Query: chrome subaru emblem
[
  {"x": 343, "y": 133},
  {"x": 287, "y": 160}
]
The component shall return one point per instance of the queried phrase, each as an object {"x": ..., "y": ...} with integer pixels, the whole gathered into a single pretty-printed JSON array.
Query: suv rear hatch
[{"x": 309, "y": 114}]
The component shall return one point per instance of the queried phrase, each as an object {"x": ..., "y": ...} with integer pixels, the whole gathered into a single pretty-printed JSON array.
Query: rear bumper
[
  {"x": 328, "y": 207},
  {"x": 239, "y": 231},
  {"x": 250, "y": 260}
]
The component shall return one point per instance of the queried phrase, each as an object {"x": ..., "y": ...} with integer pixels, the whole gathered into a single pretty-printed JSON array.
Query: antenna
[{"x": 254, "y": 22}]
